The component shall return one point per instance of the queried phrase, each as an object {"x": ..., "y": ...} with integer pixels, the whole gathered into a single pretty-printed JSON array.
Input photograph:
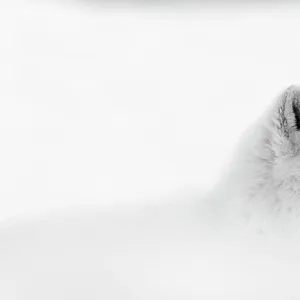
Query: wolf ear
[{"x": 286, "y": 121}]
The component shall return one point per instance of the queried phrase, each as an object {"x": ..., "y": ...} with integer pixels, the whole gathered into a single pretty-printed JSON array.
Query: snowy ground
[{"x": 129, "y": 105}]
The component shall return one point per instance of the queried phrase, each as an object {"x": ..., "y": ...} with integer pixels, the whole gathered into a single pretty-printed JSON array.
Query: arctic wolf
[{"x": 265, "y": 169}]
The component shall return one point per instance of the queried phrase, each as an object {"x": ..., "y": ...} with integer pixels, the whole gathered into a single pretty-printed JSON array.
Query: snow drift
[
  {"x": 188, "y": 249},
  {"x": 75, "y": 130}
]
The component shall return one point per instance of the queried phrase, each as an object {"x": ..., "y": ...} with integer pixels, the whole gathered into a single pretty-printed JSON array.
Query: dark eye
[{"x": 296, "y": 111}]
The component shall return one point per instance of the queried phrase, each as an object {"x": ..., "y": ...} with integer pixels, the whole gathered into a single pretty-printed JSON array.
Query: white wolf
[
  {"x": 265, "y": 169},
  {"x": 165, "y": 255}
]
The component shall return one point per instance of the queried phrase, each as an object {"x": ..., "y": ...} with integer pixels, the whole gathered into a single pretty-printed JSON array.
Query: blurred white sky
[{"x": 102, "y": 106}]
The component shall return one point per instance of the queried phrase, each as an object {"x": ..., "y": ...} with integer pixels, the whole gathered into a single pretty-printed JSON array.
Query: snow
[{"x": 131, "y": 112}]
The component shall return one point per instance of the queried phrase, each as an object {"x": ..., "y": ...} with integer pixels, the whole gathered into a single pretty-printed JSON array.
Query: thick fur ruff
[{"x": 265, "y": 169}]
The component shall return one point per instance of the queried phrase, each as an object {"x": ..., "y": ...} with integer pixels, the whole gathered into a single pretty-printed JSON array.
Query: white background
[
  {"x": 105, "y": 104},
  {"x": 115, "y": 103}
]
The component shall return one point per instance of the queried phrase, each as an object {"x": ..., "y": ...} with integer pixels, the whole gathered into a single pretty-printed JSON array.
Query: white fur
[{"x": 265, "y": 170}]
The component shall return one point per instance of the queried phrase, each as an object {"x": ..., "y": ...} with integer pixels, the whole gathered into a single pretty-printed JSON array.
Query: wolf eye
[{"x": 296, "y": 111}]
